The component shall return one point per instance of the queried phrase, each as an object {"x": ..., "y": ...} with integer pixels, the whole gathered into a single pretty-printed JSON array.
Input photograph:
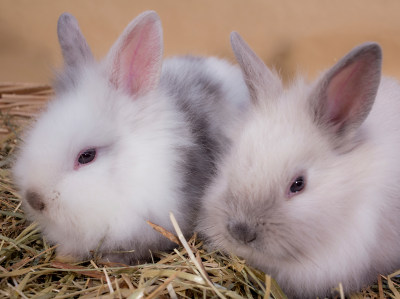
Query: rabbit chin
[
  {"x": 111, "y": 218},
  {"x": 80, "y": 243}
]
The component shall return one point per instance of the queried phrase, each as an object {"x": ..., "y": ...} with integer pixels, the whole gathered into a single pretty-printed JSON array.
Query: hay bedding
[{"x": 29, "y": 268}]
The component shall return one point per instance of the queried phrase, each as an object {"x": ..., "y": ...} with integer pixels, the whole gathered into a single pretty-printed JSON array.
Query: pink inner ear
[
  {"x": 137, "y": 62},
  {"x": 345, "y": 92},
  {"x": 140, "y": 74},
  {"x": 132, "y": 78}
]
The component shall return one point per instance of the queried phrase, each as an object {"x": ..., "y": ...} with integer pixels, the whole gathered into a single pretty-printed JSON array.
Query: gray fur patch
[
  {"x": 199, "y": 98},
  {"x": 73, "y": 44},
  {"x": 66, "y": 80},
  {"x": 76, "y": 53}
]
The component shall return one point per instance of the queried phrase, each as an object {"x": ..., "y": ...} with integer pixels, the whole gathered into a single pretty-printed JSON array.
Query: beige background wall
[{"x": 308, "y": 35}]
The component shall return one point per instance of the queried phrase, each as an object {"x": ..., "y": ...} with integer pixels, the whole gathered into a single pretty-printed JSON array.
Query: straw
[{"x": 29, "y": 267}]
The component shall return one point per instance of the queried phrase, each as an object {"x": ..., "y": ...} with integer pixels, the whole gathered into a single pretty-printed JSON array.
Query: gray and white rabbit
[
  {"x": 310, "y": 190},
  {"x": 126, "y": 140}
]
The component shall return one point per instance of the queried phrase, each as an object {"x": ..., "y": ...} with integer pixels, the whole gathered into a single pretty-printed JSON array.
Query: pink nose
[{"x": 35, "y": 200}]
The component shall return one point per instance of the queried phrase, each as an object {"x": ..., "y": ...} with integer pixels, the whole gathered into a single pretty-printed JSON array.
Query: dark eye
[
  {"x": 87, "y": 156},
  {"x": 298, "y": 185}
]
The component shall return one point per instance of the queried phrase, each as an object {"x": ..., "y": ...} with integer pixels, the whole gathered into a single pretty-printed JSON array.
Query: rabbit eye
[
  {"x": 298, "y": 185},
  {"x": 87, "y": 156}
]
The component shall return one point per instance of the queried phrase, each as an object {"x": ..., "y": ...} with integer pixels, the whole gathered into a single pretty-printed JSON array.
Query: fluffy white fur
[
  {"x": 344, "y": 227},
  {"x": 141, "y": 139},
  {"x": 132, "y": 180}
]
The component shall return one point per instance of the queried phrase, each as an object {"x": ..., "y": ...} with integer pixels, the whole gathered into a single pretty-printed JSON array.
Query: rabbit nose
[
  {"x": 242, "y": 232},
  {"x": 35, "y": 200}
]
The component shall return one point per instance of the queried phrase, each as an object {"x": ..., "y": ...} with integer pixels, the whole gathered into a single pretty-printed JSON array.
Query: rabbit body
[
  {"x": 309, "y": 191},
  {"x": 155, "y": 130}
]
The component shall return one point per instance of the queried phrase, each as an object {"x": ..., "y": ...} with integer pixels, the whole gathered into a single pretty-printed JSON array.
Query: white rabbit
[
  {"x": 124, "y": 141},
  {"x": 310, "y": 190}
]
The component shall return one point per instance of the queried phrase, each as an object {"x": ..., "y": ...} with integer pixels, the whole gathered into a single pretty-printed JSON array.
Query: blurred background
[{"x": 307, "y": 35}]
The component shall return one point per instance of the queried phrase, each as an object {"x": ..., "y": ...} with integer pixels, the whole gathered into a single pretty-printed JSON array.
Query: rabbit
[
  {"x": 124, "y": 141},
  {"x": 309, "y": 191}
]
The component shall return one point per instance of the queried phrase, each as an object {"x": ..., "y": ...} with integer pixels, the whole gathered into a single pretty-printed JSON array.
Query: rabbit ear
[
  {"x": 76, "y": 51},
  {"x": 344, "y": 96},
  {"x": 260, "y": 80},
  {"x": 135, "y": 60}
]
